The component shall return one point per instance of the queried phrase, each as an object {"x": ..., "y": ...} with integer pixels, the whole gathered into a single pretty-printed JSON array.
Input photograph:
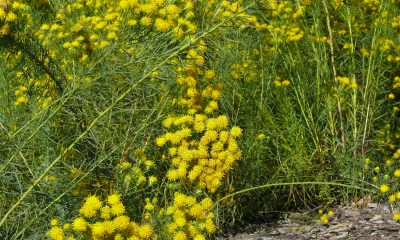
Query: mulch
[{"x": 373, "y": 221}]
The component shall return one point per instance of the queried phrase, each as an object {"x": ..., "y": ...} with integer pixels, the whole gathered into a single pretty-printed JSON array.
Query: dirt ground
[{"x": 373, "y": 221}]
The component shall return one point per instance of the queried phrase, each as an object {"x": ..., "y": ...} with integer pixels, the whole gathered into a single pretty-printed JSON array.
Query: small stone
[
  {"x": 352, "y": 213},
  {"x": 379, "y": 222},
  {"x": 392, "y": 222},
  {"x": 386, "y": 237},
  {"x": 273, "y": 233},
  {"x": 328, "y": 235},
  {"x": 317, "y": 230},
  {"x": 374, "y": 233},
  {"x": 370, "y": 228},
  {"x": 341, "y": 230},
  {"x": 390, "y": 228},
  {"x": 339, "y": 226},
  {"x": 376, "y": 218},
  {"x": 283, "y": 216},
  {"x": 372, "y": 205},
  {"x": 284, "y": 230},
  {"x": 341, "y": 236},
  {"x": 290, "y": 236},
  {"x": 385, "y": 209}
]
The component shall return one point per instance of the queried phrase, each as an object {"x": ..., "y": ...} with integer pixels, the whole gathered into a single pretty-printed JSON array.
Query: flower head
[
  {"x": 384, "y": 188},
  {"x": 79, "y": 224}
]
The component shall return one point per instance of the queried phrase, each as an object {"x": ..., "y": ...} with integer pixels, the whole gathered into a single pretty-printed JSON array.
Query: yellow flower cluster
[
  {"x": 396, "y": 83},
  {"x": 9, "y": 14},
  {"x": 248, "y": 69},
  {"x": 188, "y": 219},
  {"x": 279, "y": 83},
  {"x": 322, "y": 39},
  {"x": 226, "y": 9},
  {"x": 370, "y": 5},
  {"x": 323, "y": 217},
  {"x": 208, "y": 159},
  {"x": 164, "y": 16},
  {"x": 294, "y": 34},
  {"x": 346, "y": 81},
  {"x": 283, "y": 9},
  {"x": 113, "y": 224},
  {"x": 133, "y": 177}
]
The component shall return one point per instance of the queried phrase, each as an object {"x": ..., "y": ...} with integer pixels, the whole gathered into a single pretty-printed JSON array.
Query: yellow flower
[
  {"x": 79, "y": 224},
  {"x": 75, "y": 44},
  {"x": 397, "y": 172},
  {"x": 330, "y": 213},
  {"x": 5, "y": 29},
  {"x": 396, "y": 217},
  {"x": 210, "y": 74},
  {"x": 286, "y": 82},
  {"x": 180, "y": 221},
  {"x": 132, "y": 22},
  {"x": 160, "y": 141},
  {"x": 56, "y": 233},
  {"x": 384, "y": 188},
  {"x": 67, "y": 226},
  {"x": 23, "y": 88},
  {"x": 206, "y": 204},
  {"x": 222, "y": 122},
  {"x": 112, "y": 36},
  {"x": 45, "y": 27},
  {"x": 391, "y": 96},
  {"x": 118, "y": 209},
  {"x": 11, "y": 16},
  {"x": 162, "y": 25},
  {"x": 152, "y": 180},
  {"x": 197, "y": 212},
  {"x": 54, "y": 222},
  {"x": 149, "y": 206},
  {"x": 200, "y": 237},
  {"x": 180, "y": 200},
  {"x": 146, "y": 21},
  {"x": 261, "y": 136},
  {"x": 105, "y": 212},
  {"x": 236, "y": 131},
  {"x": 172, "y": 175},
  {"x": 145, "y": 231},
  {"x": 180, "y": 236},
  {"x": 90, "y": 207},
  {"x": 121, "y": 222},
  {"x": 22, "y": 100},
  {"x": 210, "y": 227},
  {"x": 392, "y": 198},
  {"x": 98, "y": 229},
  {"x": 113, "y": 199}
]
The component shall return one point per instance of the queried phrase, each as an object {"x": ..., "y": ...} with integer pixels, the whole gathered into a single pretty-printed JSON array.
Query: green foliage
[{"x": 87, "y": 87}]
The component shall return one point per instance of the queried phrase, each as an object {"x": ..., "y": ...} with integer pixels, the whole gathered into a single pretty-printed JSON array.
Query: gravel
[{"x": 372, "y": 222}]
